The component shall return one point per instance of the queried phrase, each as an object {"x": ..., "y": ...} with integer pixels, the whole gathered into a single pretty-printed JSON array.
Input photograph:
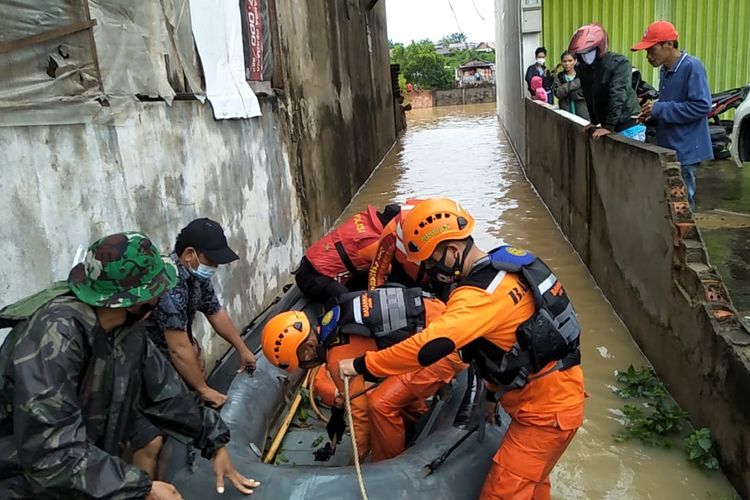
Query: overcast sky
[{"x": 419, "y": 19}]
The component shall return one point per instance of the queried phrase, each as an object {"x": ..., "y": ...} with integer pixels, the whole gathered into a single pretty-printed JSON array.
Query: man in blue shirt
[{"x": 684, "y": 101}]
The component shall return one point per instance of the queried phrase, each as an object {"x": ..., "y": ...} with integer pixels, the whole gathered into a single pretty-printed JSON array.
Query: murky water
[
  {"x": 461, "y": 152},
  {"x": 724, "y": 221}
]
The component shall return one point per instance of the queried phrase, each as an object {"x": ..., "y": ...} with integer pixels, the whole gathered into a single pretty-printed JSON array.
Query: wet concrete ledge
[{"x": 622, "y": 205}]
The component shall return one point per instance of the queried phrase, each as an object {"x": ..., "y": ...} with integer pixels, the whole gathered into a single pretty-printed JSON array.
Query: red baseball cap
[{"x": 658, "y": 32}]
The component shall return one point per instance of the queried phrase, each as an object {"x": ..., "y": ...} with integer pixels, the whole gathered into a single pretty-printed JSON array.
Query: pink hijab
[{"x": 536, "y": 85}]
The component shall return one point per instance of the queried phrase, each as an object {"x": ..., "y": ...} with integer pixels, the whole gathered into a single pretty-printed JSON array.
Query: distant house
[
  {"x": 475, "y": 72},
  {"x": 442, "y": 49},
  {"x": 485, "y": 47}
]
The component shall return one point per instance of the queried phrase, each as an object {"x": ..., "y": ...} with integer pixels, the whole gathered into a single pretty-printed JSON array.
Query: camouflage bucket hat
[{"x": 121, "y": 270}]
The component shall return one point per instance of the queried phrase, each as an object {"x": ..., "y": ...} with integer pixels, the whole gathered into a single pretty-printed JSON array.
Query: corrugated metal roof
[{"x": 715, "y": 31}]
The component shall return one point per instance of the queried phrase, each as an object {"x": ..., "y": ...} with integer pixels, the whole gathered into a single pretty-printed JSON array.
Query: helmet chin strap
[
  {"x": 459, "y": 265},
  {"x": 456, "y": 272}
]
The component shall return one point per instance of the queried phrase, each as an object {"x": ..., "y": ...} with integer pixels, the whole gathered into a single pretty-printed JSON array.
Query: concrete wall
[
  {"x": 337, "y": 79},
  {"x": 622, "y": 205},
  {"x": 274, "y": 182},
  {"x": 509, "y": 72},
  {"x": 466, "y": 95},
  {"x": 65, "y": 186}
]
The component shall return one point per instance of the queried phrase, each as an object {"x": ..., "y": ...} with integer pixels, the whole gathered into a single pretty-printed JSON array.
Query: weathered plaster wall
[
  {"x": 467, "y": 95},
  {"x": 622, "y": 205},
  {"x": 337, "y": 79},
  {"x": 65, "y": 186},
  {"x": 273, "y": 182}
]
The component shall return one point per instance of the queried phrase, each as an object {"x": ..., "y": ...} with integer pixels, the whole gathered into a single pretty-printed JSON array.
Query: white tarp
[{"x": 217, "y": 29}]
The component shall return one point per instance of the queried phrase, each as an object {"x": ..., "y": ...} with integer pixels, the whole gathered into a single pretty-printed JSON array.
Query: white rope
[{"x": 348, "y": 401}]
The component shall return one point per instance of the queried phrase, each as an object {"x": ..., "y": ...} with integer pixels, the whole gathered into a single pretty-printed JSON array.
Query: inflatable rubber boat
[{"x": 448, "y": 458}]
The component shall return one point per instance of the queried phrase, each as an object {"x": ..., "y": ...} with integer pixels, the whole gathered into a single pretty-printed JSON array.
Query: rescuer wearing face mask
[
  {"x": 200, "y": 249},
  {"x": 606, "y": 81},
  {"x": 509, "y": 315},
  {"x": 361, "y": 322},
  {"x": 539, "y": 68}
]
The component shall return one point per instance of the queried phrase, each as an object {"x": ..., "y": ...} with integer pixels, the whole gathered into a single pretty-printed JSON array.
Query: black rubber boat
[{"x": 257, "y": 403}]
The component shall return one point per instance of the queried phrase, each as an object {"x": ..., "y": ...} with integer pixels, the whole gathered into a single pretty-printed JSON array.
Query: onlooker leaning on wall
[
  {"x": 684, "y": 101},
  {"x": 567, "y": 87},
  {"x": 607, "y": 84}
]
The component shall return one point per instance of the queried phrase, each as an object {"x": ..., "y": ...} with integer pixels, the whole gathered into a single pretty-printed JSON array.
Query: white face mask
[
  {"x": 540, "y": 61},
  {"x": 589, "y": 57}
]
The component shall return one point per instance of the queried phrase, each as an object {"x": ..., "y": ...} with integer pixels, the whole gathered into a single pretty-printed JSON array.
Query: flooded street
[
  {"x": 461, "y": 152},
  {"x": 724, "y": 221}
]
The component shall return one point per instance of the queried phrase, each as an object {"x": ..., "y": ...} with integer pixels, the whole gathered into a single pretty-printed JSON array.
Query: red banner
[{"x": 254, "y": 23}]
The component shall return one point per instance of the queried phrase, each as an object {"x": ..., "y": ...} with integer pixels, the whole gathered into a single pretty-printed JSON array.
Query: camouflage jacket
[{"x": 69, "y": 392}]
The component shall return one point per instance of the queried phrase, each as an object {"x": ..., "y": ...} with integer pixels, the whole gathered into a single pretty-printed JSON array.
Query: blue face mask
[{"x": 204, "y": 272}]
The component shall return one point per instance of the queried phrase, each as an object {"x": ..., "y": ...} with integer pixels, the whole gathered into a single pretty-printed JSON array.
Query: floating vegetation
[{"x": 657, "y": 421}]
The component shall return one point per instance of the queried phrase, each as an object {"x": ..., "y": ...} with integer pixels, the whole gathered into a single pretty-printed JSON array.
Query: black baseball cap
[{"x": 207, "y": 236}]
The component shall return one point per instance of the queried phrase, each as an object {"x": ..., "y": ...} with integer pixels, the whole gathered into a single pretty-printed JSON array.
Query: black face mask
[
  {"x": 144, "y": 310},
  {"x": 441, "y": 275},
  {"x": 319, "y": 359}
]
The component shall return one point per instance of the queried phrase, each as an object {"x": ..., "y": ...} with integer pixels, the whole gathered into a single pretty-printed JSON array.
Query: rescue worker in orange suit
[
  {"x": 390, "y": 263},
  {"x": 340, "y": 260},
  {"x": 509, "y": 316},
  {"x": 363, "y": 322}
]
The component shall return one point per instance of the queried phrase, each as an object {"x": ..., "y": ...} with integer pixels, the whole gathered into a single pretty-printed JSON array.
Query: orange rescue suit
[
  {"x": 378, "y": 417},
  {"x": 546, "y": 412}
]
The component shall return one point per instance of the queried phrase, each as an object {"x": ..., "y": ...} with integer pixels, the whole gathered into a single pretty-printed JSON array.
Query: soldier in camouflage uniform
[{"x": 80, "y": 374}]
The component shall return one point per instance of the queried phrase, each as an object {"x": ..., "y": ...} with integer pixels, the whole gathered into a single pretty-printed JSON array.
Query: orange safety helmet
[
  {"x": 282, "y": 336},
  {"x": 431, "y": 222}
]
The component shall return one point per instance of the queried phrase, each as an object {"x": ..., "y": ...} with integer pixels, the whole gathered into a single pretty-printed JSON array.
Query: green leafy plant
[
  {"x": 698, "y": 448},
  {"x": 653, "y": 424},
  {"x": 656, "y": 421},
  {"x": 280, "y": 459},
  {"x": 641, "y": 383},
  {"x": 318, "y": 440},
  {"x": 302, "y": 413}
]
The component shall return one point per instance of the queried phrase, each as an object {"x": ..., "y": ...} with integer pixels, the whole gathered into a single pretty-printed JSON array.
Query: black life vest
[
  {"x": 389, "y": 315},
  {"x": 551, "y": 334}
]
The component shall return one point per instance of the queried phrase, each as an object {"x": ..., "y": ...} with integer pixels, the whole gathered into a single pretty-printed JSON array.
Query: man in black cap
[{"x": 200, "y": 249}]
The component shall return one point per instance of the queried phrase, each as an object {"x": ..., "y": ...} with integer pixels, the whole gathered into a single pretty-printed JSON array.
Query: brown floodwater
[{"x": 461, "y": 152}]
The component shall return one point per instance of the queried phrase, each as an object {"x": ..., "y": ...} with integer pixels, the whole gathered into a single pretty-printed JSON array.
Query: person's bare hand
[
  {"x": 213, "y": 397},
  {"x": 346, "y": 368},
  {"x": 646, "y": 111},
  {"x": 223, "y": 467},
  {"x": 600, "y": 132},
  {"x": 247, "y": 361},
  {"x": 163, "y": 491}
]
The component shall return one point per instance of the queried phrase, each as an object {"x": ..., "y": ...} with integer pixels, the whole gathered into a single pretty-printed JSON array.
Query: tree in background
[
  {"x": 452, "y": 38},
  {"x": 459, "y": 57},
  {"x": 422, "y": 66}
]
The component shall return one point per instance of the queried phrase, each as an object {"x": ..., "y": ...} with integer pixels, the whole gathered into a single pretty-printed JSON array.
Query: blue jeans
[{"x": 688, "y": 175}]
